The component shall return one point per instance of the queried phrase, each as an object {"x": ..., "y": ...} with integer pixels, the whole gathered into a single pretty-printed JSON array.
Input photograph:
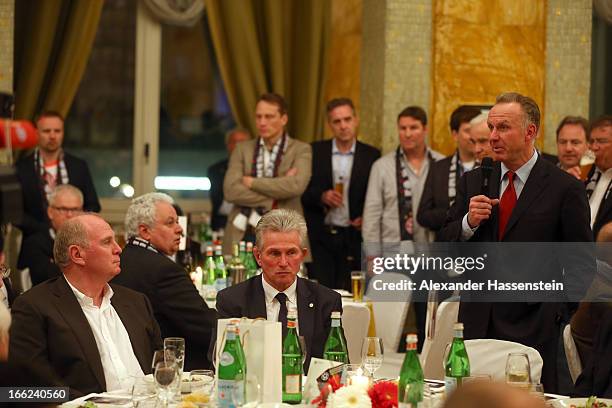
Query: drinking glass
[
  {"x": 161, "y": 355},
  {"x": 202, "y": 381},
  {"x": 176, "y": 345},
  {"x": 143, "y": 392},
  {"x": 518, "y": 372},
  {"x": 358, "y": 285},
  {"x": 372, "y": 354},
  {"x": 302, "y": 341},
  {"x": 166, "y": 378}
]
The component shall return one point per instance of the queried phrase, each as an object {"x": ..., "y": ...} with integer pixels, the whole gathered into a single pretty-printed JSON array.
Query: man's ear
[
  {"x": 531, "y": 133},
  {"x": 285, "y": 119},
  {"x": 144, "y": 232},
  {"x": 76, "y": 255},
  {"x": 257, "y": 255}
]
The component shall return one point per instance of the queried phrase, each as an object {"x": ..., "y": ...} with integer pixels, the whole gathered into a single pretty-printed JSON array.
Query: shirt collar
[
  {"x": 262, "y": 143},
  {"x": 86, "y": 301},
  {"x": 523, "y": 171},
  {"x": 271, "y": 292},
  {"x": 335, "y": 149}
]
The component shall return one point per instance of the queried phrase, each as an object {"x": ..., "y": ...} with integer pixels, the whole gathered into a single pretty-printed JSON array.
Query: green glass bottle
[
  {"x": 242, "y": 251},
  {"x": 231, "y": 371},
  {"x": 220, "y": 270},
  {"x": 335, "y": 345},
  {"x": 292, "y": 362},
  {"x": 457, "y": 364},
  {"x": 208, "y": 275},
  {"x": 411, "y": 376},
  {"x": 249, "y": 262}
]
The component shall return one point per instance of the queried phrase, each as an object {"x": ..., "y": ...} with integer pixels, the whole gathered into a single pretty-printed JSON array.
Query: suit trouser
[{"x": 335, "y": 253}]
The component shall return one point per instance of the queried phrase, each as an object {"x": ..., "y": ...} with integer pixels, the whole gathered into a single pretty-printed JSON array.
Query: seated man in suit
[
  {"x": 77, "y": 329},
  {"x": 280, "y": 250},
  {"x": 153, "y": 235},
  {"x": 50, "y": 166},
  {"x": 65, "y": 202}
]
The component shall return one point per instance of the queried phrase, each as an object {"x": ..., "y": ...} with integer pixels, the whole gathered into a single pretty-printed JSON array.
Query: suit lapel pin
[{"x": 311, "y": 305}]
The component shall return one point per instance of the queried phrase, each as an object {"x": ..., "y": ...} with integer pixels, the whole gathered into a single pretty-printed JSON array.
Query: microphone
[{"x": 487, "y": 167}]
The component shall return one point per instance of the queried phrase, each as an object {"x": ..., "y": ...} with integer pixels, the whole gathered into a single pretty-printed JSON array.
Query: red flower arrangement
[{"x": 383, "y": 394}]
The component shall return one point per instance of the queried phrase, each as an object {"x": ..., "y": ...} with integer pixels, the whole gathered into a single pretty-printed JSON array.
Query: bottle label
[
  {"x": 230, "y": 393},
  {"x": 450, "y": 384},
  {"x": 292, "y": 383},
  {"x": 226, "y": 359}
]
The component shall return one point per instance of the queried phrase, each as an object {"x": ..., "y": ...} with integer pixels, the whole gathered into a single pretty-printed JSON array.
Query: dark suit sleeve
[
  {"x": 178, "y": 300},
  {"x": 451, "y": 230},
  {"x": 428, "y": 215},
  {"x": 155, "y": 338},
  {"x": 223, "y": 306},
  {"x": 90, "y": 197},
  {"x": 34, "y": 257},
  {"x": 28, "y": 339}
]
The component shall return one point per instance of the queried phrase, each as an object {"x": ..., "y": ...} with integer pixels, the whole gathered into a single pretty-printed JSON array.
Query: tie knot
[
  {"x": 511, "y": 175},
  {"x": 281, "y": 297}
]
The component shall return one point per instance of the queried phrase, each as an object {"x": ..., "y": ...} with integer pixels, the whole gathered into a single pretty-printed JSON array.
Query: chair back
[
  {"x": 25, "y": 280},
  {"x": 432, "y": 355},
  {"x": 390, "y": 316},
  {"x": 571, "y": 353},
  {"x": 355, "y": 322},
  {"x": 488, "y": 356}
]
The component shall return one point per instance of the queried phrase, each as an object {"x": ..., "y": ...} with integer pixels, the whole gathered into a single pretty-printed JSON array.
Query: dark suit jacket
[
  {"x": 178, "y": 307},
  {"x": 550, "y": 157},
  {"x": 551, "y": 208},
  {"x": 322, "y": 180},
  {"x": 37, "y": 255},
  {"x": 35, "y": 206},
  {"x": 315, "y": 304},
  {"x": 50, "y": 331},
  {"x": 596, "y": 377},
  {"x": 434, "y": 200},
  {"x": 604, "y": 214},
  {"x": 216, "y": 174},
  {"x": 9, "y": 290}
]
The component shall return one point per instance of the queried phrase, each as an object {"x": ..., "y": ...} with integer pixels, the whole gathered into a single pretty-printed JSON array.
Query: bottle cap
[
  {"x": 249, "y": 245},
  {"x": 411, "y": 338},
  {"x": 336, "y": 315},
  {"x": 458, "y": 326}
]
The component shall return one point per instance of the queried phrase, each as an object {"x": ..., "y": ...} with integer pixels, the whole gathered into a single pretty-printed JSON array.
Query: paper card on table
[{"x": 317, "y": 367}]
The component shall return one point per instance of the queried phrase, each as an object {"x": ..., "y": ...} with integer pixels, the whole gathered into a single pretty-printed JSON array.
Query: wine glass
[
  {"x": 372, "y": 354},
  {"x": 518, "y": 372},
  {"x": 176, "y": 346},
  {"x": 302, "y": 341},
  {"x": 166, "y": 377}
]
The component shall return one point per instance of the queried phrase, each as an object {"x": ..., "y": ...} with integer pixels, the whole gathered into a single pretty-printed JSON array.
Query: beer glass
[
  {"x": 518, "y": 371},
  {"x": 358, "y": 285}
]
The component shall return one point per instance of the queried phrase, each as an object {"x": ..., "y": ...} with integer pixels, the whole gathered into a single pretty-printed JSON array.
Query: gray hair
[
  {"x": 5, "y": 320},
  {"x": 482, "y": 117},
  {"x": 281, "y": 220},
  {"x": 231, "y": 132},
  {"x": 143, "y": 210},
  {"x": 65, "y": 189},
  {"x": 531, "y": 111},
  {"x": 72, "y": 232}
]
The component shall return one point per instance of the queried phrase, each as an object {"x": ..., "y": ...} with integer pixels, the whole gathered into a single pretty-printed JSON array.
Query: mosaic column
[{"x": 7, "y": 15}]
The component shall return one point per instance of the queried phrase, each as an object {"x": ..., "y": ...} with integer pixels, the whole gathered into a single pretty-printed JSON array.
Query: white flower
[{"x": 351, "y": 396}]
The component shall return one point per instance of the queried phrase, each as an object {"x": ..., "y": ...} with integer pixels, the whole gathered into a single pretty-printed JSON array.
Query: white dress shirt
[
  {"x": 602, "y": 187},
  {"x": 342, "y": 165},
  {"x": 4, "y": 294},
  {"x": 273, "y": 305},
  {"x": 521, "y": 176},
  {"x": 112, "y": 339}
]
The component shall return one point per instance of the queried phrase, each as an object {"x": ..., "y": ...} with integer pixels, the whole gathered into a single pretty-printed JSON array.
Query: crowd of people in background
[{"x": 97, "y": 311}]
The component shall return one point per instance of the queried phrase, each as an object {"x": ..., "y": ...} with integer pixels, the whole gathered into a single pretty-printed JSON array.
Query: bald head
[
  {"x": 605, "y": 233},
  {"x": 485, "y": 394}
]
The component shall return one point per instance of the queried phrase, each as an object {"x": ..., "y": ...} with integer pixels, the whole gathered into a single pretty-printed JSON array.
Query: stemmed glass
[
  {"x": 166, "y": 378},
  {"x": 372, "y": 354},
  {"x": 518, "y": 371}
]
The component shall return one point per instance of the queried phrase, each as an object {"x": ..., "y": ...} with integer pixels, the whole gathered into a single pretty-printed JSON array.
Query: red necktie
[{"x": 506, "y": 204}]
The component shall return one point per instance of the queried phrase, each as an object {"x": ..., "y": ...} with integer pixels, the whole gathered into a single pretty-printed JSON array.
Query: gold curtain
[
  {"x": 273, "y": 45},
  {"x": 55, "y": 44}
]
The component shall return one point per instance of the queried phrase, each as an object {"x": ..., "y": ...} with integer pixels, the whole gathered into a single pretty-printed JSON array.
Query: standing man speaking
[{"x": 528, "y": 199}]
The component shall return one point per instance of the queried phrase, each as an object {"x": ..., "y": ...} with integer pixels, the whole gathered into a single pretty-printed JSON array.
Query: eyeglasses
[{"x": 67, "y": 209}]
